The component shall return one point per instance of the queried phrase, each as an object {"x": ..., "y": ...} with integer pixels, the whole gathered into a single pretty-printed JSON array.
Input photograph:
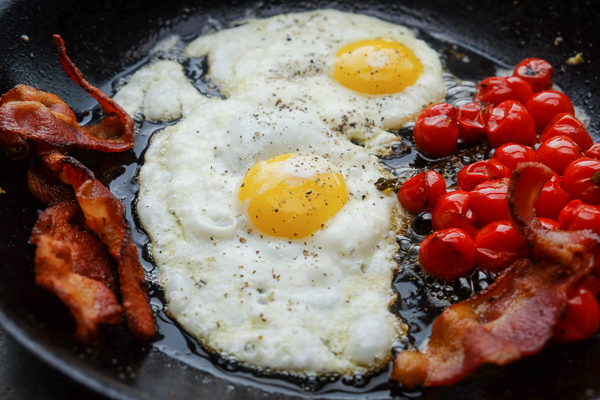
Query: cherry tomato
[
  {"x": 511, "y": 123},
  {"x": 488, "y": 200},
  {"x": 552, "y": 199},
  {"x": 453, "y": 210},
  {"x": 448, "y": 254},
  {"x": 422, "y": 191},
  {"x": 558, "y": 152},
  {"x": 436, "y": 130},
  {"x": 581, "y": 318},
  {"x": 592, "y": 284},
  {"x": 497, "y": 90},
  {"x": 472, "y": 121},
  {"x": 567, "y": 125},
  {"x": 498, "y": 246},
  {"x": 546, "y": 105},
  {"x": 593, "y": 152},
  {"x": 536, "y": 72},
  {"x": 549, "y": 223},
  {"x": 577, "y": 216},
  {"x": 578, "y": 181},
  {"x": 511, "y": 154},
  {"x": 479, "y": 172}
]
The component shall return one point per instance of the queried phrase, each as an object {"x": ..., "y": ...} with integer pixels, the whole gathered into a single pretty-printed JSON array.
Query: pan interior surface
[{"x": 108, "y": 40}]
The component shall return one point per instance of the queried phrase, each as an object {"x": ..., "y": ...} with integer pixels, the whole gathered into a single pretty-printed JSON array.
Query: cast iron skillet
[{"x": 106, "y": 37}]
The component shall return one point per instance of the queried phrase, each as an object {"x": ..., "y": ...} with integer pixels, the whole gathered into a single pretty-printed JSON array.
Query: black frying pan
[{"x": 105, "y": 38}]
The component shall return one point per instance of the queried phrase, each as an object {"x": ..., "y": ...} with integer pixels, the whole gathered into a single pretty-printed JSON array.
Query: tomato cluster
[{"x": 471, "y": 223}]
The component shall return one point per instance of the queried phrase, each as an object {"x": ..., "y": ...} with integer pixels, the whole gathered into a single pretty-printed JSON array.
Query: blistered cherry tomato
[
  {"x": 578, "y": 182},
  {"x": 511, "y": 123},
  {"x": 448, "y": 254},
  {"x": 482, "y": 171},
  {"x": 472, "y": 121},
  {"x": 558, "y": 152},
  {"x": 552, "y": 199},
  {"x": 536, "y": 72},
  {"x": 453, "y": 210},
  {"x": 567, "y": 125},
  {"x": 581, "y": 318},
  {"x": 593, "y": 152},
  {"x": 498, "y": 246},
  {"x": 546, "y": 105},
  {"x": 497, "y": 90},
  {"x": 422, "y": 191},
  {"x": 578, "y": 216},
  {"x": 549, "y": 223},
  {"x": 436, "y": 130},
  {"x": 511, "y": 154},
  {"x": 488, "y": 200}
]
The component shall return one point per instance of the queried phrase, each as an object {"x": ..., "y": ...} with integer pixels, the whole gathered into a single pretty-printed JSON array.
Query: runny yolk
[
  {"x": 376, "y": 66},
  {"x": 292, "y": 195}
]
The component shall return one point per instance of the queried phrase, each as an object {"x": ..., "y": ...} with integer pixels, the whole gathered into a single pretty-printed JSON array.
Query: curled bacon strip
[
  {"x": 105, "y": 215},
  {"x": 516, "y": 315},
  {"x": 75, "y": 266},
  {"x": 30, "y": 114}
]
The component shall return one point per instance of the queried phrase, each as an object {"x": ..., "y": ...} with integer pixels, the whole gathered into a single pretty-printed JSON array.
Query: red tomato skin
[
  {"x": 511, "y": 123},
  {"x": 488, "y": 200},
  {"x": 537, "y": 72},
  {"x": 422, "y": 191},
  {"x": 577, "y": 216},
  {"x": 481, "y": 171},
  {"x": 436, "y": 130},
  {"x": 581, "y": 318},
  {"x": 577, "y": 183},
  {"x": 511, "y": 154},
  {"x": 472, "y": 121},
  {"x": 558, "y": 152},
  {"x": 497, "y": 89},
  {"x": 593, "y": 152},
  {"x": 552, "y": 199},
  {"x": 547, "y": 104},
  {"x": 567, "y": 125},
  {"x": 453, "y": 210},
  {"x": 448, "y": 254},
  {"x": 498, "y": 246},
  {"x": 549, "y": 223}
]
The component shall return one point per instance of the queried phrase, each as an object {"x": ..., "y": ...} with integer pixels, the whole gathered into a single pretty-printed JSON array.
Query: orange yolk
[
  {"x": 376, "y": 66},
  {"x": 293, "y": 195}
]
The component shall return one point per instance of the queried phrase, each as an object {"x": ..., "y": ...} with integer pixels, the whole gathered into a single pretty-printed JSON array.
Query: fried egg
[
  {"x": 358, "y": 74},
  {"x": 272, "y": 243}
]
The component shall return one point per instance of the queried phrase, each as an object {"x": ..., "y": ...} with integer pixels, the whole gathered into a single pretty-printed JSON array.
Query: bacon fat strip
[
  {"x": 30, "y": 114},
  {"x": 516, "y": 315},
  {"x": 89, "y": 300},
  {"x": 105, "y": 215}
]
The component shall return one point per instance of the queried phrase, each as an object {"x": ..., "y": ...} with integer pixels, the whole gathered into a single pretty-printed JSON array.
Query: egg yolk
[
  {"x": 376, "y": 66},
  {"x": 293, "y": 195}
]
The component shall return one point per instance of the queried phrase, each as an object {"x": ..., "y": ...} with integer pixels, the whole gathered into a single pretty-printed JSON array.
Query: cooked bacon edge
[
  {"x": 75, "y": 266},
  {"x": 516, "y": 315},
  {"x": 105, "y": 216},
  {"x": 30, "y": 114}
]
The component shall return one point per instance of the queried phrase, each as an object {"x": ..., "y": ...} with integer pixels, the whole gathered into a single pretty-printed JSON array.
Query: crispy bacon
[
  {"x": 30, "y": 114},
  {"x": 105, "y": 215},
  {"x": 516, "y": 315},
  {"x": 74, "y": 265}
]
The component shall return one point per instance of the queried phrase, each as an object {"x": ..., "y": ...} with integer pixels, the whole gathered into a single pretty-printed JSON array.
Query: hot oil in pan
[{"x": 421, "y": 298}]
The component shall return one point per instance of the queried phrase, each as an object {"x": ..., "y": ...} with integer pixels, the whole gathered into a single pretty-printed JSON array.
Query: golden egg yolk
[
  {"x": 376, "y": 66},
  {"x": 293, "y": 195}
]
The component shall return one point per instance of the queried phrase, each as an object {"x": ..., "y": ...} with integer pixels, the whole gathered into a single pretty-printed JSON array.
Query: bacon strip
[
  {"x": 30, "y": 114},
  {"x": 74, "y": 265},
  {"x": 105, "y": 215},
  {"x": 516, "y": 315}
]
